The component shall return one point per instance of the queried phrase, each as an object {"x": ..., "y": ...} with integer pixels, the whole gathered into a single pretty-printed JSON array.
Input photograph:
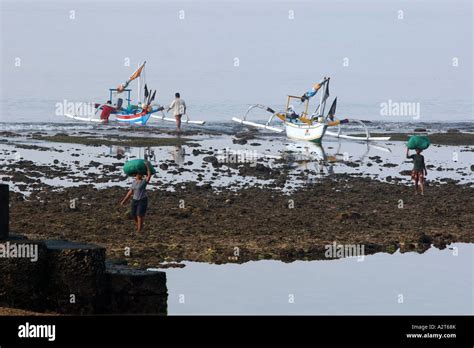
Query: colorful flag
[{"x": 136, "y": 74}]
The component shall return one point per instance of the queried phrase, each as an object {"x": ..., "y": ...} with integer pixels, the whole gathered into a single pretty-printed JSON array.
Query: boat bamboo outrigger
[
  {"x": 138, "y": 113},
  {"x": 304, "y": 126}
]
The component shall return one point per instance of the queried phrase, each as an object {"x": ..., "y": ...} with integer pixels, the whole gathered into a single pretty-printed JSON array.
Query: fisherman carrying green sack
[
  {"x": 418, "y": 143},
  {"x": 139, "y": 196},
  {"x": 419, "y": 170}
]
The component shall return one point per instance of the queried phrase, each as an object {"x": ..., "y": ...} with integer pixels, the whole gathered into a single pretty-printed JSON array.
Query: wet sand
[
  {"x": 261, "y": 223},
  {"x": 122, "y": 141},
  {"x": 289, "y": 217}
]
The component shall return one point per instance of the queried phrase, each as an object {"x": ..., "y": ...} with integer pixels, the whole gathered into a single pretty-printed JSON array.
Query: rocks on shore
[{"x": 259, "y": 221}]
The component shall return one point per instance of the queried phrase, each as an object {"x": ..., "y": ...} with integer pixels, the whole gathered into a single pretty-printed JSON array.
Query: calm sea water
[
  {"x": 224, "y": 55},
  {"x": 436, "y": 282}
]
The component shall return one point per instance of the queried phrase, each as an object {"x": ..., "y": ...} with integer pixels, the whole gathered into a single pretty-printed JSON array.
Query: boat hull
[
  {"x": 141, "y": 117},
  {"x": 313, "y": 133}
]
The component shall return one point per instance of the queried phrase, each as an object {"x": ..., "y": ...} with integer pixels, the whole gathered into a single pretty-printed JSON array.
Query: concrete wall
[{"x": 72, "y": 278}]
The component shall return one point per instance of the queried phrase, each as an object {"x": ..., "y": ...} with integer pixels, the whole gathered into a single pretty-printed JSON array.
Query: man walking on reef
[
  {"x": 419, "y": 170},
  {"x": 139, "y": 197},
  {"x": 179, "y": 109}
]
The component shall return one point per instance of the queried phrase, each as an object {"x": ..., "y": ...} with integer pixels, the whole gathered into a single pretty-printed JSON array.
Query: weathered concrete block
[
  {"x": 22, "y": 273},
  {"x": 76, "y": 277},
  {"x": 136, "y": 291},
  {"x": 4, "y": 211},
  {"x": 71, "y": 278}
]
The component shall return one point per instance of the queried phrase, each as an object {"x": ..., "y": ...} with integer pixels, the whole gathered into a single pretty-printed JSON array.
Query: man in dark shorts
[
  {"x": 140, "y": 198},
  {"x": 419, "y": 170}
]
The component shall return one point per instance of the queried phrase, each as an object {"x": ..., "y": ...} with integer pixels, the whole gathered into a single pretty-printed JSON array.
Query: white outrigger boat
[
  {"x": 304, "y": 126},
  {"x": 128, "y": 113}
]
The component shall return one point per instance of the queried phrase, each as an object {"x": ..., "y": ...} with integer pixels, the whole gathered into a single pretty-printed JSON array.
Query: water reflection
[
  {"x": 343, "y": 286},
  {"x": 119, "y": 151},
  {"x": 178, "y": 154},
  {"x": 309, "y": 156},
  {"x": 306, "y": 155},
  {"x": 149, "y": 155}
]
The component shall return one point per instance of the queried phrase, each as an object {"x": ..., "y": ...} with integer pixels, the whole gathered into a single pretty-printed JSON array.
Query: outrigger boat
[
  {"x": 304, "y": 126},
  {"x": 129, "y": 113}
]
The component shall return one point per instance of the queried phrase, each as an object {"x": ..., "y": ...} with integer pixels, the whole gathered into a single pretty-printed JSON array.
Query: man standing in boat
[{"x": 179, "y": 109}]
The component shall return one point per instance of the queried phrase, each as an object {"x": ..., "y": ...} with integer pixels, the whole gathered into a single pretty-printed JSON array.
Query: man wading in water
[
  {"x": 140, "y": 199},
  {"x": 419, "y": 170},
  {"x": 179, "y": 109}
]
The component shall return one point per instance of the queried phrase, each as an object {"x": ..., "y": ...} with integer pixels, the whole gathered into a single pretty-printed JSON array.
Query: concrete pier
[
  {"x": 76, "y": 273},
  {"x": 71, "y": 278},
  {"x": 23, "y": 281},
  {"x": 146, "y": 290}
]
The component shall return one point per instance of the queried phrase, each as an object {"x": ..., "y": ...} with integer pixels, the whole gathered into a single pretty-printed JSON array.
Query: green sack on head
[
  {"x": 418, "y": 142},
  {"x": 135, "y": 166}
]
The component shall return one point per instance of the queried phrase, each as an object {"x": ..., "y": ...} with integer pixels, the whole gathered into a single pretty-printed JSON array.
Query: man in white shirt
[{"x": 179, "y": 109}]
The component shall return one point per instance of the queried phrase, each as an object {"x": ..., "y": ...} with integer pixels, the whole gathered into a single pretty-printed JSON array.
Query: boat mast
[
  {"x": 139, "y": 87},
  {"x": 139, "y": 92},
  {"x": 323, "y": 106},
  {"x": 321, "y": 100}
]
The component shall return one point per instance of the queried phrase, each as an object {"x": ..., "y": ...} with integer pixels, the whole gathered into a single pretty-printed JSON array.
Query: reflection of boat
[
  {"x": 302, "y": 126},
  {"x": 149, "y": 155},
  {"x": 380, "y": 147},
  {"x": 368, "y": 147},
  {"x": 302, "y": 154},
  {"x": 116, "y": 150},
  {"x": 306, "y": 150}
]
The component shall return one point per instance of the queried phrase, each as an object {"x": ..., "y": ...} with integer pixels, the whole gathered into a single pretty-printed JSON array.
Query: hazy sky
[{"x": 76, "y": 50}]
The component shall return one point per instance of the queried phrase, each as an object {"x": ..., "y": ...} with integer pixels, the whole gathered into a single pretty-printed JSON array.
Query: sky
[{"x": 223, "y": 55}]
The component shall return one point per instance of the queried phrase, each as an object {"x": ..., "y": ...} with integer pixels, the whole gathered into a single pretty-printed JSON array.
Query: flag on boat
[
  {"x": 137, "y": 72},
  {"x": 135, "y": 75},
  {"x": 312, "y": 92}
]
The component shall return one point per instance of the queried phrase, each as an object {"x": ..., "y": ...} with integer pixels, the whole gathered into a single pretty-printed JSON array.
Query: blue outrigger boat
[
  {"x": 119, "y": 107},
  {"x": 127, "y": 112}
]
